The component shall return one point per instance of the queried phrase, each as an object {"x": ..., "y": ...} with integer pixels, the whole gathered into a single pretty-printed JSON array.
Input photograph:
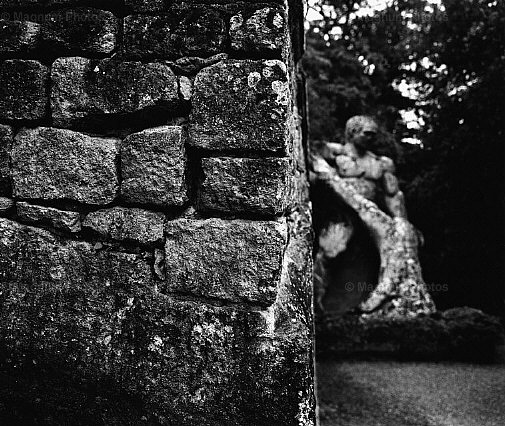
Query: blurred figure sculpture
[{"x": 367, "y": 184}]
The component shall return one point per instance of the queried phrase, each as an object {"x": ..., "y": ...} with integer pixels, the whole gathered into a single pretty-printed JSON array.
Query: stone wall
[{"x": 155, "y": 235}]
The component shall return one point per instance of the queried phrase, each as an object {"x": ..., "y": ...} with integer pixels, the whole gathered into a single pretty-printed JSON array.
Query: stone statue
[
  {"x": 372, "y": 175},
  {"x": 366, "y": 182}
]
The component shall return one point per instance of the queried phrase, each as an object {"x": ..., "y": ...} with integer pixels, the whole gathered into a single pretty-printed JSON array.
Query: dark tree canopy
[{"x": 453, "y": 57}]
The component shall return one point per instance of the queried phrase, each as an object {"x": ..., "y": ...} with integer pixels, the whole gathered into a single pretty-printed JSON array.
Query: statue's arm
[
  {"x": 396, "y": 205},
  {"x": 373, "y": 217},
  {"x": 388, "y": 165},
  {"x": 393, "y": 197}
]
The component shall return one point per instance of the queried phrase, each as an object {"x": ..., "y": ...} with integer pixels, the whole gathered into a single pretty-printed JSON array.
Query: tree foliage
[
  {"x": 458, "y": 197},
  {"x": 452, "y": 56}
]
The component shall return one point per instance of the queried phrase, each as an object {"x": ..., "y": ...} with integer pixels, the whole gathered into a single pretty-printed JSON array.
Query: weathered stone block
[
  {"x": 190, "y": 66},
  {"x": 18, "y": 36},
  {"x": 50, "y": 163},
  {"x": 23, "y": 90},
  {"x": 84, "y": 88},
  {"x": 295, "y": 294},
  {"x": 6, "y": 136},
  {"x": 263, "y": 31},
  {"x": 5, "y": 205},
  {"x": 185, "y": 31},
  {"x": 100, "y": 320},
  {"x": 29, "y": 4},
  {"x": 81, "y": 30},
  {"x": 119, "y": 223},
  {"x": 146, "y": 5},
  {"x": 60, "y": 219},
  {"x": 153, "y": 166},
  {"x": 149, "y": 36},
  {"x": 235, "y": 260},
  {"x": 245, "y": 185},
  {"x": 36, "y": 259},
  {"x": 240, "y": 105}
]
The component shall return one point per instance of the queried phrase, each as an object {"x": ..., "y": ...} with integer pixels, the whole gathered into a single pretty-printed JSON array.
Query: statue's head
[{"x": 361, "y": 131}]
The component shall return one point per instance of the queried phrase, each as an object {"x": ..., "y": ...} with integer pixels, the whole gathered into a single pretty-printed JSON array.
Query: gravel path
[{"x": 411, "y": 394}]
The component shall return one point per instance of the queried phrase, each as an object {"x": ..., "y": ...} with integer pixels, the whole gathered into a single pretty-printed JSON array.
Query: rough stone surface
[
  {"x": 246, "y": 185},
  {"x": 89, "y": 88},
  {"x": 185, "y": 31},
  {"x": 35, "y": 259},
  {"x": 149, "y": 36},
  {"x": 294, "y": 305},
  {"x": 234, "y": 260},
  {"x": 185, "y": 87},
  {"x": 5, "y": 205},
  {"x": 191, "y": 65},
  {"x": 240, "y": 105},
  {"x": 18, "y": 36},
  {"x": 153, "y": 167},
  {"x": 80, "y": 30},
  {"x": 6, "y": 135},
  {"x": 50, "y": 164},
  {"x": 23, "y": 90},
  {"x": 261, "y": 32},
  {"x": 164, "y": 5},
  {"x": 91, "y": 3},
  {"x": 60, "y": 219},
  {"x": 95, "y": 326},
  {"x": 146, "y": 5},
  {"x": 101, "y": 321},
  {"x": 118, "y": 223},
  {"x": 18, "y": 4}
]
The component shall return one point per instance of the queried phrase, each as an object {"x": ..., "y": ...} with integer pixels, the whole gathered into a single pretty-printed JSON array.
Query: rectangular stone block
[
  {"x": 262, "y": 32},
  {"x": 18, "y": 37},
  {"x": 84, "y": 88},
  {"x": 6, "y": 205},
  {"x": 184, "y": 31},
  {"x": 149, "y": 36},
  {"x": 153, "y": 167},
  {"x": 240, "y": 105},
  {"x": 32, "y": 257},
  {"x": 234, "y": 260},
  {"x": 245, "y": 185},
  {"x": 119, "y": 223},
  {"x": 6, "y": 136},
  {"x": 60, "y": 219},
  {"x": 52, "y": 164},
  {"x": 79, "y": 31},
  {"x": 23, "y": 90}
]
